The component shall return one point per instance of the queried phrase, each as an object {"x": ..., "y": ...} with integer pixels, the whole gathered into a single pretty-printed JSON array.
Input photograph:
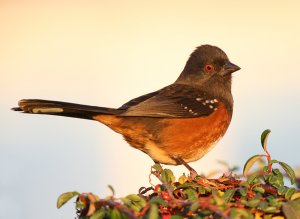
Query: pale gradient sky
[{"x": 107, "y": 52}]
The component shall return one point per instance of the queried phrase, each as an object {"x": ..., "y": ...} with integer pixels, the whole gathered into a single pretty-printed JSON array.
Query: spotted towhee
[{"x": 175, "y": 125}]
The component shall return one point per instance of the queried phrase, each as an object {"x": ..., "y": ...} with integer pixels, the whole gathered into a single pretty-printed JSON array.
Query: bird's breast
[{"x": 189, "y": 138}]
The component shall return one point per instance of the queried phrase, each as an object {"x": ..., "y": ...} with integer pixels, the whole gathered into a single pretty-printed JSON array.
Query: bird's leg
[{"x": 193, "y": 173}]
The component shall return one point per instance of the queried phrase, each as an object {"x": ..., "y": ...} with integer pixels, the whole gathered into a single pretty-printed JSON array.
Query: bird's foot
[{"x": 193, "y": 174}]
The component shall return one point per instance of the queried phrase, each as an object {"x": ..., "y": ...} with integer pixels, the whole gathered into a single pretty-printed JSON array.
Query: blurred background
[{"x": 107, "y": 52}]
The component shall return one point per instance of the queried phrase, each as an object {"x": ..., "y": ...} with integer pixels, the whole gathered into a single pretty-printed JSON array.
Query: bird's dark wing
[
  {"x": 137, "y": 100},
  {"x": 174, "y": 101}
]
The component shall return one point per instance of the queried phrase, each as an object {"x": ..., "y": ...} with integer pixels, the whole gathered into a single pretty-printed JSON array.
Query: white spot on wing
[{"x": 47, "y": 110}]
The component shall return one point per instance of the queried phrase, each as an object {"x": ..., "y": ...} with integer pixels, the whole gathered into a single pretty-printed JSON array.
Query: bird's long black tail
[{"x": 49, "y": 107}]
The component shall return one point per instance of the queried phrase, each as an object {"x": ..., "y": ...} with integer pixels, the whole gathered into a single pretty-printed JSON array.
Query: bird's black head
[{"x": 207, "y": 63}]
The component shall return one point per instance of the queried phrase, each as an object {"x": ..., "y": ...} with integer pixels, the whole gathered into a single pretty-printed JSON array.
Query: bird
[{"x": 175, "y": 125}]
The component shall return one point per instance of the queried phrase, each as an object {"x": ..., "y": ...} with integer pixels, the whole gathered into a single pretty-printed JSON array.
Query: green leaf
[
  {"x": 194, "y": 206},
  {"x": 157, "y": 167},
  {"x": 207, "y": 189},
  {"x": 253, "y": 203},
  {"x": 228, "y": 195},
  {"x": 134, "y": 197},
  {"x": 233, "y": 213},
  {"x": 188, "y": 185},
  {"x": 126, "y": 201},
  {"x": 236, "y": 213},
  {"x": 192, "y": 194},
  {"x": 263, "y": 205},
  {"x": 273, "y": 161},
  {"x": 252, "y": 178},
  {"x": 115, "y": 214},
  {"x": 264, "y": 139},
  {"x": 291, "y": 209},
  {"x": 289, "y": 193},
  {"x": 159, "y": 201},
  {"x": 65, "y": 197},
  {"x": 243, "y": 191},
  {"x": 273, "y": 179},
  {"x": 275, "y": 202},
  {"x": 281, "y": 190},
  {"x": 167, "y": 176},
  {"x": 244, "y": 184},
  {"x": 289, "y": 171},
  {"x": 201, "y": 190},
  {"x": 265, "y": 168},
  {"x": 135, "y": 202},
  {"x": 279, "y": 175},
  {"x": 99, "y": 214},
  {"x": 153, "y": 212},
  {"x": 271, "y": 209},
  {"x": 250, "y": 162},
  {"x": 259, "y": 189}
]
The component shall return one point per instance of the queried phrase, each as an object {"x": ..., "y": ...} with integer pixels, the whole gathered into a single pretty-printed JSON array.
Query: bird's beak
[{"x": 230, "y": 68}]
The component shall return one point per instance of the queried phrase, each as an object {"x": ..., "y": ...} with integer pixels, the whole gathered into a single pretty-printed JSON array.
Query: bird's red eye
[{"x": 208, "y": 68}]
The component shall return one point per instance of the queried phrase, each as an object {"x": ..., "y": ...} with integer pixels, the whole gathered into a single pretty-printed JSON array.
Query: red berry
[
  {"x": 166, "y": 196},
  {"x": 82, "y": 198},
  {"x": 166, "y": 216},
  {"x": 157, "y": 188}
]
